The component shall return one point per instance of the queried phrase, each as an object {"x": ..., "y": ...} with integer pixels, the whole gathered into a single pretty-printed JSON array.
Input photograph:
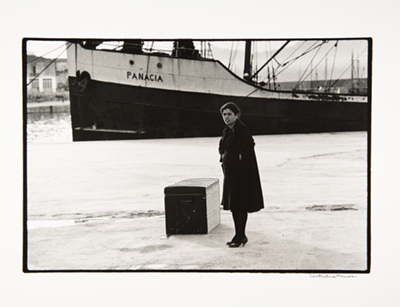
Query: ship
[{"x": 132, "y": 92}]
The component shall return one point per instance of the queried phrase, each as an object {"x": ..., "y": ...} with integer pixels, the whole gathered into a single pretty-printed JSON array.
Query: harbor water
[{"x": 45, "y": 127}]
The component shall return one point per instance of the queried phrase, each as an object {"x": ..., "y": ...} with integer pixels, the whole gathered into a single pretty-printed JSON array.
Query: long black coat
[{"x": 242, "y": 187}]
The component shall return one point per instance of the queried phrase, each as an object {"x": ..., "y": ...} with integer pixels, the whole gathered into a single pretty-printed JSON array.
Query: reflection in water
[{"x": 48, "y": 127}]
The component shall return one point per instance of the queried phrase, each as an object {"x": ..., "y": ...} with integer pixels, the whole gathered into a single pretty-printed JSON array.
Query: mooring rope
[{"x": 70, "y": 44}]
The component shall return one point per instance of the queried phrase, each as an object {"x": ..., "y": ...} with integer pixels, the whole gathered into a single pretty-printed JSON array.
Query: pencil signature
[{"x": 331, "y": 276}]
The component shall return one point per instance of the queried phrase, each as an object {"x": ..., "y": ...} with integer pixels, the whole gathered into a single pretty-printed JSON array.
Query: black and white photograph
[
  {"x": 213, "y": 153},
  {"x": 198, "y": 155}
]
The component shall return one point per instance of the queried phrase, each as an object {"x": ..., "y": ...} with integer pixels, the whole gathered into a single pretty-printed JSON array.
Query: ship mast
[
  {"x": 352, "y": 73},
  {"x": 326, "y": 74},
  {"x": 247, "y": 61}
]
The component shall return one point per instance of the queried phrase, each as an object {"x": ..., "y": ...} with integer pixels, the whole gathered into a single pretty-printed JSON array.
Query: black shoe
[
  {"x": 231, "y": 241},
  {"x": 237, "y": 244}
]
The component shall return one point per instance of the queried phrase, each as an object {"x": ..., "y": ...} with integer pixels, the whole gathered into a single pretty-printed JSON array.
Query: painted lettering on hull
[{"x": 144, "y": 77}]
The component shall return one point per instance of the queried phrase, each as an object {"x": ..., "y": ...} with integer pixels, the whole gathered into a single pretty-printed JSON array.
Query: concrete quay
[
  {"x": 100, "y": 206},
  {"x": 48, "y": 107}
]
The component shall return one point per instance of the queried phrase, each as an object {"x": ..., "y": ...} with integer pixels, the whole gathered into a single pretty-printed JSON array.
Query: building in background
[{"x": 47, "y": 79}]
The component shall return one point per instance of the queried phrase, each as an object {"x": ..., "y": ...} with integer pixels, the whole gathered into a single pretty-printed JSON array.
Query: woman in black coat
[{"x": 242, "y": 191}]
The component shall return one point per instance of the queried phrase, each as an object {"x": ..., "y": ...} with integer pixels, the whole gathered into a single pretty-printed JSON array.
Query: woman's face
[{"x": 229, "y": 117}]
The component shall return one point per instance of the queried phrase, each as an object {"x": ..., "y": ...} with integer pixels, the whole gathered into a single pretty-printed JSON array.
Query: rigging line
[
  {"x": 248, "y": 95},
  {"x": 362, "y": 73},
  {"x": 266, "y": 49},
  {"x": 311, "y": 48},
  {"x": 286, "y": 65},
  {"x": 300, "y": 81},
  {"x": 324, "y": 57},
  {"x": 337, "y": 79},
  {"x": 270, "y": 73},
  {"x": 37, "y": 58},
  {"x": 48, "y": 65},
  {"x": 281, "y": 71},
  {"x": 326, "y": 54},
  {"x": 230, "y": 56},
  {"x": 267, "y": 54},
  {"x": 235, "y": 52},
  {"x": 284, "y": 61},
  {"x": 345, "y": 71},
  {"x": 273, "y": 56}
]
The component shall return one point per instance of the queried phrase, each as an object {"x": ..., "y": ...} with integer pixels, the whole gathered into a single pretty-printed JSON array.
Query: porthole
[
  {"x": 159, "y": 65},
  {"x": 131, "y": 62}
]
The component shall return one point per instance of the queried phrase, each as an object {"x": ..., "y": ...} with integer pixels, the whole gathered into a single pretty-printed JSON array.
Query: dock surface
[{"x": 100, "y": 205}]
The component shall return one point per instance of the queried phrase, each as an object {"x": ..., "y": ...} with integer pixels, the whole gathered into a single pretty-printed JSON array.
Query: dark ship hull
[{"x": 168, "y": 97}]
